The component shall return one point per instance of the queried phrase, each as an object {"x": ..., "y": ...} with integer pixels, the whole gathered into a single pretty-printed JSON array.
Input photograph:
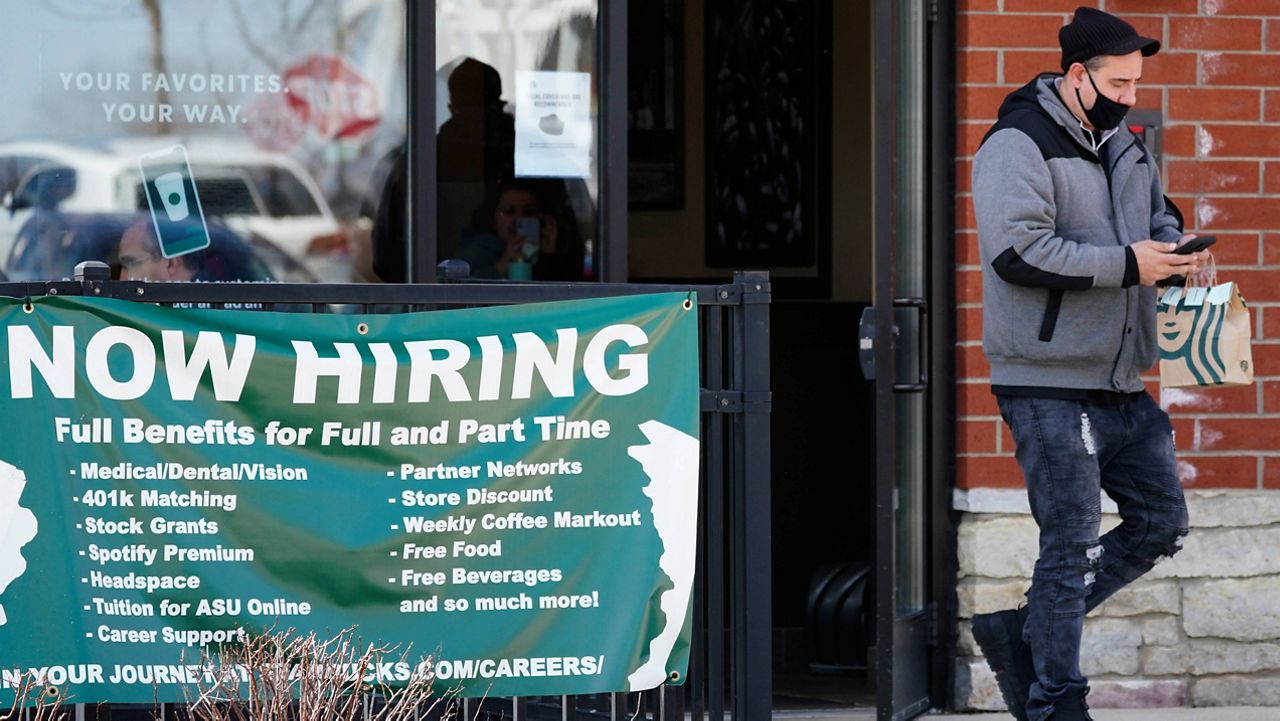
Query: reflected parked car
[
  {"x": 267, "y": 196},
  {"x": 51, "y": 244}
]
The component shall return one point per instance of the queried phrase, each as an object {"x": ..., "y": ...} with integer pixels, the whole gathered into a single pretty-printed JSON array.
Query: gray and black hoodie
[{"x": 1062, "y": 307}]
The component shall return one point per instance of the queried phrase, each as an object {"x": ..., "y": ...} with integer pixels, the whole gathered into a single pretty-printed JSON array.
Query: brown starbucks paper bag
[{"x": 1204, "y": 335}]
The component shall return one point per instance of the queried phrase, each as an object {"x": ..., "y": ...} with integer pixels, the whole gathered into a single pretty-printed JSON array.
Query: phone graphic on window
[{"x": 175, "y": 206}]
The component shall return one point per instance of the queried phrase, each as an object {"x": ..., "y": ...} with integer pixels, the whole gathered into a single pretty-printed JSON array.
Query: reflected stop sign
[
  {"x": 273, "y": 125},
  {"x": 331, "y": 96}
]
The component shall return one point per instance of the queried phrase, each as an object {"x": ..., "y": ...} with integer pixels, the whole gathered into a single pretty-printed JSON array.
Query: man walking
[{"x": 1074, "y": 233}]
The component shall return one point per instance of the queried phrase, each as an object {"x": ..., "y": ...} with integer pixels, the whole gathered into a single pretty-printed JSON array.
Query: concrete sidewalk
[{"x": 1233, "y": 713}]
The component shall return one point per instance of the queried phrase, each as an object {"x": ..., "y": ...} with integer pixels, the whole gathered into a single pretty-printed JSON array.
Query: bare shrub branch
[
  {"x": 40, "y": 700},
  {"x": 287, "y": 676}
]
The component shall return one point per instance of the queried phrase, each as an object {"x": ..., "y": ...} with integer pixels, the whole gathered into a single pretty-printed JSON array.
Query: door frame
[
  {"x": 944, "y": 521},
  {"x": 420, "y": 225},
  {"x": 884, "y": 135},
  {"x": 611, "y": 141},
  {"x": 940, "y": 523}
]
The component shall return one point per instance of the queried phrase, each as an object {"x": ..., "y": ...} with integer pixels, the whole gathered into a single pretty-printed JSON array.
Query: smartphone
[
  {"x": 530, "y": 230},
  {"x": 1198, "y": 243},
  {"x": 170, "y": 189}
]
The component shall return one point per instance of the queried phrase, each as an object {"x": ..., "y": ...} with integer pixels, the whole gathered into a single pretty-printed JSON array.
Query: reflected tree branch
[
  {"x": 158, "y": 64},
  {"x": 258, "y": 51},
  {"x": 305, "y": 17}
]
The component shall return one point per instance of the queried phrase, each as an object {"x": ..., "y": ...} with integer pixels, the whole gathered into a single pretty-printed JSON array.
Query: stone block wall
[{"x": 1201, "y": 629}]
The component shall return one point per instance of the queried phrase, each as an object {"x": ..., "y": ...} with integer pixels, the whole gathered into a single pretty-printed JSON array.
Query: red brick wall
[{"x": 1217, "y": 82}]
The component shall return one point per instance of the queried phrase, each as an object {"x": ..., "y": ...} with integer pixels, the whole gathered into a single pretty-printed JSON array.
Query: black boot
[
  {"x": 999, "y": 635},
  {"x": 1072, "y": 707}
]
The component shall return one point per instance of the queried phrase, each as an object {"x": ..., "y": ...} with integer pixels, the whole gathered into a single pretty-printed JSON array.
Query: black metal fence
[{"x": 731, "y": 660}]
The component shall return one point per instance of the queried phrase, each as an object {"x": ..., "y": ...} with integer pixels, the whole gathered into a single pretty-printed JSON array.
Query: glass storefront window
[
  {"x": 517, "y": 92},
  {"x": 227, "y": 140}
]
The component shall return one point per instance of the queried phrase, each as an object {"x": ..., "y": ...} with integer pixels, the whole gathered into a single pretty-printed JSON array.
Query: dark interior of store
[{"x": 822, "y": 418}]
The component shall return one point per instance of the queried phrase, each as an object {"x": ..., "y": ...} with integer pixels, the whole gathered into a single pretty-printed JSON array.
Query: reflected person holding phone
[
  {"x": 140, "y": 258},
  {"x": 509, "y": 234}
]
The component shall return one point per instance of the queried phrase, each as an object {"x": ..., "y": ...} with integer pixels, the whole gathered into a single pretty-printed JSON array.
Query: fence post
[
  {"x": 92, "y": 274},
  {"x": 753, "y": 584}
]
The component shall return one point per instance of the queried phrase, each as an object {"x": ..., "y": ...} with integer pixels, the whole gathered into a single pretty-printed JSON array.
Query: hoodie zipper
[
  {"x": 1126, "y": 336},
  {"x": 1053, "y": 304},
  {"x": 1109, "y": 172}
]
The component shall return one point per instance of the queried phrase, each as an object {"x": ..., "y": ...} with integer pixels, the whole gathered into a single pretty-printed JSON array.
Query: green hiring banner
[{"x": 510, "y": 490}]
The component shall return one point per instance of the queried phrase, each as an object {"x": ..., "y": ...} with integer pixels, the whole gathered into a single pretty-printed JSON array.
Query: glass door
[
  {"x": 901, "y": 352},
  {"x": 517, "y": 135}
]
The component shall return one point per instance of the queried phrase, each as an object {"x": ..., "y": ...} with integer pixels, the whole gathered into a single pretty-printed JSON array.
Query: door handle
[{"x": 866, "y": 344}]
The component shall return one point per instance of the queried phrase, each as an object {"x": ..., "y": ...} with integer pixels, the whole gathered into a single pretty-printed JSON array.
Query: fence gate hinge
[
  {"x": 736, "y": 401},
  {"x": 92, "y": 275},
  {"x": 730, "y": 293},
  {"x": 756, "y": 291}
]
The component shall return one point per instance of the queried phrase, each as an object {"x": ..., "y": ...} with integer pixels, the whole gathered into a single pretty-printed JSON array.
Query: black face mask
[{"x": 1105, "y": 113}]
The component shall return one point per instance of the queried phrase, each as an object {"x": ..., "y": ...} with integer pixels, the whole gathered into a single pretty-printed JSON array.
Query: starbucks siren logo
[
  {"x": 670, "y": 459},
  {"x": 17, "y": 528}
]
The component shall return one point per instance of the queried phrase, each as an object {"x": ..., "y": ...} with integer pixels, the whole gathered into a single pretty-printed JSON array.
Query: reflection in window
[
  {"x": 286, "y": 111},
  {"x": 221, "y": 194},
  {"x": 283, "y": 194},
  {"x": 516, "y": 89}
]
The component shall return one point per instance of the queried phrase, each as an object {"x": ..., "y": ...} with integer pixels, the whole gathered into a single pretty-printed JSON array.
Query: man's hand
[{"x": 1157, "y": 261}]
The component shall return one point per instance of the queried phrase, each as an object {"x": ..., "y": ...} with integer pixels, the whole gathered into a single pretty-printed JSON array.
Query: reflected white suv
[{"x": 253, "y": 192}]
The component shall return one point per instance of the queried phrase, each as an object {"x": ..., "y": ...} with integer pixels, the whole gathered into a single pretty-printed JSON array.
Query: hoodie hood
[
  {"x": 1028, "y": 97},
  {"x": 1041, "y": 96}
]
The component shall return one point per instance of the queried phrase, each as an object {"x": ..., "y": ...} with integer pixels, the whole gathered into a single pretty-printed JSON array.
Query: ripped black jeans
[{"x": 1069, "y": 452}]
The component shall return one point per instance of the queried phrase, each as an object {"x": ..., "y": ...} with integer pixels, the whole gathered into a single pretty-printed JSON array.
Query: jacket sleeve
[
  {"x": 1016, "y": 212},
  {"x": 1166, "y": 224}
]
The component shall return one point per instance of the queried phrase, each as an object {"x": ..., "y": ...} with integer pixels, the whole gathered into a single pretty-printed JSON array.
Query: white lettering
[
  {"x": 208, "y": 352},
  {"x": 636, "y": 365},
  {"x": 557, "y": 374},
  {"x": 57, "y": 370},
  {"x": 490, "y": 367},
  {"x": 425, "y": 367},
  {"x": 346, "y": 367},
  {"x": 384, "y": 372},
  {"x": 99, "y": 372}
]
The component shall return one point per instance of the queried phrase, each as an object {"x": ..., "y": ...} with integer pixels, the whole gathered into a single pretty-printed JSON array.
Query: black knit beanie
[{"x": 1093, "y": 32}]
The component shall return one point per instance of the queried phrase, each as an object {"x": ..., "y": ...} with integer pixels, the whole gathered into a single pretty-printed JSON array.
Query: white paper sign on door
[{"x": 553, "y": 124}]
